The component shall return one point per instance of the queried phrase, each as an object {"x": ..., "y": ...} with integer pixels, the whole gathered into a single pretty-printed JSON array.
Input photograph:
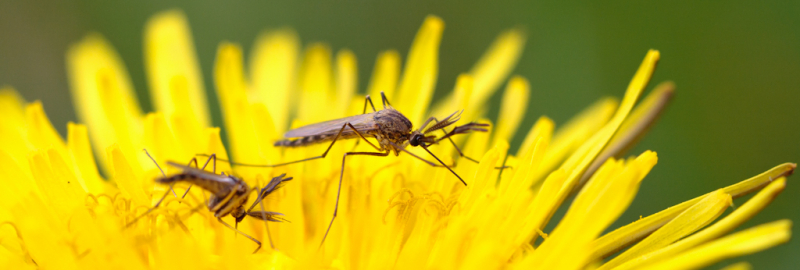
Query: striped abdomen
[{"x": 308, "y": 140}]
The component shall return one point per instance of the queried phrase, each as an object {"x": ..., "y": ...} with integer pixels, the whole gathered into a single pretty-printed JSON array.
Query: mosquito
[
  {"x": 228, "y": 194},
  {"x": 393, "y": 131}
]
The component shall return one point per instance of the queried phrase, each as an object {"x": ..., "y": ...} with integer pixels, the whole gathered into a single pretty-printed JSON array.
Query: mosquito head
[
  {"x": 239, "y": 214},
  {"x": 416, "y": 138}
]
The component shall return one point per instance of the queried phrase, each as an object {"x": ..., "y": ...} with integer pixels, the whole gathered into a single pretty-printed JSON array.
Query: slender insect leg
[
  {"x": 366, "y": 100},
  {"x": 240, "y": 232},
  {"x": 429, "y": 162},
  {"x": 159, "y": 169},
  {"x": 194, "y": 160},
  {"x": 213, "y": 165},
  {"x": 461, "y": 154},
  {"x": 159, "y": 200},
  {"x": 339, "y": 189},
  {"x": 264, "y": 217},
  {"x": 385, "y": 100}
]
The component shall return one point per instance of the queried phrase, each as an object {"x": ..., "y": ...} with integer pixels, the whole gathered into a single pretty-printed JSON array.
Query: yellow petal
[
  {"x": 54, "y": 184},
  {"x": 533, "y": 150},
  {"x": 745, "y": 242},
  {"x": 574, "y": 133},
  {"x": 129, "y": 181},
  {"x": 273, "y": 70},
  {"x": 81, "y": 152},
  {"x": 229, "y": 79},
  {"x": 725, "y": 225},
  {"x": 512, "y": 109},
  {"x": 215, "y": 146},
  {"x": 605, "y": 197},
  {"x": 41, "y": 132},
  {"x": 691, "y": 220},
  {"x": 581, "y": 158},
  {"x": 11, "y": 105},
  {"x": 316, "y": 85},
  {"x": 627, "y": 234},
  {"x": 15, "y": 191},
  {"x": 103, "y": 95},
  {"x": 422, "y": 68},
  {"x": 491, "y": 69},
  {"x": 171, "y": 62},
  {"x": 346, "y": 79},
  {"x": 13, "y": 133},
  {"x": 385, "y": 74},
  {"x": 738, "y": 266},
  {"x": 635, "y": 126}
]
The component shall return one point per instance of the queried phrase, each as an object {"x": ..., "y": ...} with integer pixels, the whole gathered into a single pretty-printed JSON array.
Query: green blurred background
[{"x": 736, "y": 67}]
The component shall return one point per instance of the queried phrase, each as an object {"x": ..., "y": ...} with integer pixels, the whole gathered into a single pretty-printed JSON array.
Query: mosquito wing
[
  {"x": 362, "y": 122},
  {"x": 219, "y": 185}
]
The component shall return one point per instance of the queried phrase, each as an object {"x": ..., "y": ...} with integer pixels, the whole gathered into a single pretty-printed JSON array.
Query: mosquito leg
[
  {"x": 213, "y": 165},
  {"x": 339, "y": 189},
  {"x": 151, "y": 209},
  {"x": 461, "y": 154},
  {"x": 385, "y": 100},
  {"x": 366, "y": 100},
  {"x": 240, "y": 232},
  {"x": 264, "y": 217},
  {"x": 159, "y": 168},
  {"x": 430, "y": 162},
  {"x": 159, "y": 200}
]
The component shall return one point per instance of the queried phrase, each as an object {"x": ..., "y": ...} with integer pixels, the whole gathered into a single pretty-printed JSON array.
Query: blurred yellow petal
[
  {"x": 346, "y": 79},
  {"x": 229, "y": 79},
  {"x": 745, "y": 242},
  {"x": 129, "y": 181},
  {"x": 171, "y": 62},
  {"x": 422, "y": 68},
  {"x": 385, "y": 74},
  {"x": 512, "y": 109},
  {"x": 316, "y": 84},
  {"x": 41, "y": 132},
  {"x": 738, "y": 266},
  {"x": 103, "y": 95},
  {"x": 81, "y": 152},
  {"x": 273, "y": 71},
  {"x": 491, "y": 69}
]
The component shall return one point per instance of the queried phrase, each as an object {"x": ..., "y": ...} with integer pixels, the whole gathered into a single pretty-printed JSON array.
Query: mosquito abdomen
[
  {"x": 305, "y": 141},
  {"x": 174, "y": 178}
]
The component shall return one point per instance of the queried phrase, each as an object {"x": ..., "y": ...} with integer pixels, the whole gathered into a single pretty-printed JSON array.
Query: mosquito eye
[{"x": 414, "y": 141}]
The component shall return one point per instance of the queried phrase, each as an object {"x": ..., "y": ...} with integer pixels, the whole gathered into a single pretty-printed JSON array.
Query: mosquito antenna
[
  {"x": 159, "y": 168},
  {"x": 445, "y": 165},
  {"x": 385, "y": 100},
  {"x": 154, "y": 162}
]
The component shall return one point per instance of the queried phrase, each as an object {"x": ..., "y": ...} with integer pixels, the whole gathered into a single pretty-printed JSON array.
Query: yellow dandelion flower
[{"x": 68, "y": 203}]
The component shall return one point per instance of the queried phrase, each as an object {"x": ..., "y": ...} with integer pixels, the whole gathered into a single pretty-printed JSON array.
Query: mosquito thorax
[{"x": 393, "y": 125}]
